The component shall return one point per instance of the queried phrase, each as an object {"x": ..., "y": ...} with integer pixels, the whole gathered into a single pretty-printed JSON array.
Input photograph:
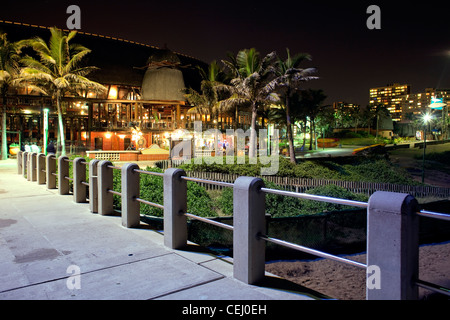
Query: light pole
[
  {"x": 46, "y": 111},
  {"x": 426, "y": 118}
]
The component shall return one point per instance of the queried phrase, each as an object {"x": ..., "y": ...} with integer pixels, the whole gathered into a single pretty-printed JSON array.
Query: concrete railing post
[
  {"x": 392, "y": 247},
  {"x": 32, "y": 166},
  {"x": 40, "y": 168},
  {"x": 248, "y": 222},
  {"x": 24, "y": 164},
  {"x": 93, "y": 186},
  {"x": 130, "y": 191},
  {"x": 175, "y": 205},
  {"x": 50, "y": 171},
  {"x": 63, "y": 172},
  {"x": 105, "y": 183},
  {"x": 79, "y": 176},
  {"x": 19, "y": 162}
]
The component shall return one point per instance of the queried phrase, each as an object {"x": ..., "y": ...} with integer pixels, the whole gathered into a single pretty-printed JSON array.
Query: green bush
[
  {"x": 285, "y": 206},
  {"x": 333, "y": 191},
  {"x": 152, "y": 189}
]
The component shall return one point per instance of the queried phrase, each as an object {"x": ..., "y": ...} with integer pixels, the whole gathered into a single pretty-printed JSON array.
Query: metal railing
[{"x": 392, "y": 218}]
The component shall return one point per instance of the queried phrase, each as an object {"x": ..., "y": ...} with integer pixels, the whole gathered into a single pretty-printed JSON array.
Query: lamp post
[
  {"x": 426, "y": 119},
  {"x": 46, "y": 111}
]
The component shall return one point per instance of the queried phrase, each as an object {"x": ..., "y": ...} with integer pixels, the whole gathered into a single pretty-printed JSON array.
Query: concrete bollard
[
  {"x": 24, "y": 164},
  {"x": 40, "y": 168},
  {"x": 175, "y": 205},
  {"x": 105, "y": 183},
  {"x": 31, "y": 176},
  {"x": 50, "y": 171},
  {"x": 63, "y": 172},
  {"x": 79, "y": 176},
  {"x": 93, "y": 186},
  {"x": 248, "y": 222},
  {"x": 130, "y": 191},
  {"x": 393, "y": 246},
  {"x": 19, "y": 162}
]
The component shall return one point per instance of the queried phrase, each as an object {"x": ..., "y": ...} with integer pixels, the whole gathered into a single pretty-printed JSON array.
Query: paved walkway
[{"x": 46, "y": 240}]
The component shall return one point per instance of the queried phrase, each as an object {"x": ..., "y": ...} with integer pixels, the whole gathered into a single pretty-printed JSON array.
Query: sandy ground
[{"x": 344, "y": 282}]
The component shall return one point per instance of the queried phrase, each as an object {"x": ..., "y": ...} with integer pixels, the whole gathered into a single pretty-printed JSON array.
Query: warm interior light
[
  {"x": 121, "y": 136},
  {"x": 112, "y": 92},
  {"x": 107, "y": 135}
]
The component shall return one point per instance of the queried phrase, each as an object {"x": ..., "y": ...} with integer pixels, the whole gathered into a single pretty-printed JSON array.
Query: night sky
[{"x": 412, "y": 47}]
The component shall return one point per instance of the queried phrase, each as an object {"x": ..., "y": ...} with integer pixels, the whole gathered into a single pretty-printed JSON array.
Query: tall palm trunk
[
  {"x": 4, "y": 142},
  {"x": 289, "y": 131},
  {"x": 60, "y": 123},
  {"x": 252, "y": 147}
]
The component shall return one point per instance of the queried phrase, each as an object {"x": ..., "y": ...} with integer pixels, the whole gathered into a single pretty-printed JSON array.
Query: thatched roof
[{"x": 119, "y": 61}]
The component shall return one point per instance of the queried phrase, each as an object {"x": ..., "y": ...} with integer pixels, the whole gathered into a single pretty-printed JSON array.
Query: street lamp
[
  {"x": 46, "y": 111},
  {"x": 426, "y": 118}
]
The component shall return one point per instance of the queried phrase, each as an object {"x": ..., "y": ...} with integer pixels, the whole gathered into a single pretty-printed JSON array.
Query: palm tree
[
  {"x": 250, "y": 86},
  {"x": 314, "y": 103},
  {"x": 289, "y": 76},
  {"x": 378, "y": 111},
  {"x": 58, "y": 70},
  {"x": 9, "y": 69},
  {"x": 207, "y": 101}
]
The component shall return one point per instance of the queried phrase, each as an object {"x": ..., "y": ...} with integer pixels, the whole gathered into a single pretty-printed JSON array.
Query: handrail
[
  {"x": 315, "y": 197},
  {"x": 433, "y": 287},
  {"x": 312, "y": 251},
  {"x": 114, "y": 167},
  {"x": 217, "y": 183},
  {"x": 160, "y": 174},
  {"x": 435, "y": 215},
  {"x": 209, "y": 221},
  {"x": 157, "y": 205}
]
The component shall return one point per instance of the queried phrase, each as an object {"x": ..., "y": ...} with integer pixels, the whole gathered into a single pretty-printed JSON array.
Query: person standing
[{"x": 51, "y": 148}]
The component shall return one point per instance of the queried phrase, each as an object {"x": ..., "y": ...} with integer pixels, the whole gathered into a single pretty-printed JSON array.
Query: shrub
[
  {"x": 152, "y": 189},
  {"x": 285, "y": 206},
  {"x": 313, "y": 206}
]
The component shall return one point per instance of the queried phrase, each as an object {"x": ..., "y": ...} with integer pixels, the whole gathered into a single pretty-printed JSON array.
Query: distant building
[
  {"x": 415, "y": 104},
  {"x": 390, "y": 96}
]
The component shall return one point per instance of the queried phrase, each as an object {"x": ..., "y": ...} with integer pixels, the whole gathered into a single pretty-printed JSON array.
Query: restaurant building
[{"x": 143, "y": 106}]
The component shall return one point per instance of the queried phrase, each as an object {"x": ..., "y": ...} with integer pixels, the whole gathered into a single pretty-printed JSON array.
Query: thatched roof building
[{"x": 120, "y": 62}]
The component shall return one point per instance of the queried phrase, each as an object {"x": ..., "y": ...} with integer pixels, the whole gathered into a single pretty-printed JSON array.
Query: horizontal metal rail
[
  {"x": 114, "y": 192},
  {"x": 435, "y": 215},
  {"x": 85, "y": 183},
  {"x": 217, "y": 183},
  {"x": 67, "y": 160},
  {"x": 312, "y": 251},
  {"x": 115, "y": 167},
  {"x": 160, "y": 174},
  {"x": 209, "y": 221},
  {"x": 157, "y": 205},
  {"x": 433, "y": 287},
  {"x": 68, "y": 178},
  {"x": 317, "y": 198}
]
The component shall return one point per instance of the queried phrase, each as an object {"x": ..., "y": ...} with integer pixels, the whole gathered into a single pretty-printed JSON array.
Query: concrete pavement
[{"x": 54, "y": 249}]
